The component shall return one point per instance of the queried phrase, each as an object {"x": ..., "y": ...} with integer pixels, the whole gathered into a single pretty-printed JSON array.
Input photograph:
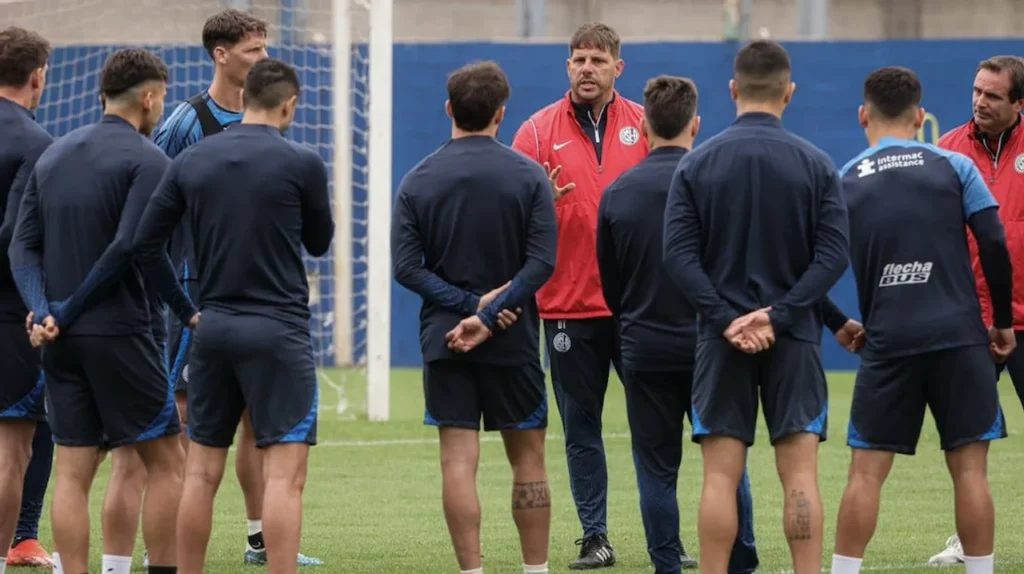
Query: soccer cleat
[
  {"x": 595, "y": 552},
  {"x": 145, "y": 561},
  {"x": 259, "y": 558},
  {"x": 953, "y": 553},
  {"x": 29, "y": 552}
]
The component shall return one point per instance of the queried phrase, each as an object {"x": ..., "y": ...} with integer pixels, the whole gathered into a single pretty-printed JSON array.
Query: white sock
[
  {"x": 3, "y": 565},
  {"x": 479, "y": 570},
  {"x": 117, "y": 564},
  {"x": 846, "y": 565},
  {"x": 539, "y": 569},
  {"x": 58, "y": 568},
  {"x": 255, "y": 527},
  {"x": 980, "y": 564}
]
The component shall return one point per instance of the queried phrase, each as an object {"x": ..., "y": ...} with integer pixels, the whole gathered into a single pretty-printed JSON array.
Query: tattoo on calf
[
  {"x": 529, "y": 495},
  {"x": 798, "y": 516}
]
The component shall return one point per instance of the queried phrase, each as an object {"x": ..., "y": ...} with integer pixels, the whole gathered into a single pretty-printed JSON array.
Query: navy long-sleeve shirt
[
  {"x": 756, "y": 218},
  {"x": 658, "y": 325},
  {"x": 908, "y": 204},
  {"x": 71, "y": 253},
  {"x": 469, "y": 218},
  {"x": 252, "y": 199},
  {"x": 22, "y": 143}
]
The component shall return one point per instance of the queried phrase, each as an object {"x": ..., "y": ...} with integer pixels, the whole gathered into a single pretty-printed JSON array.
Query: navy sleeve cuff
[{"x": 832, "y": 316}]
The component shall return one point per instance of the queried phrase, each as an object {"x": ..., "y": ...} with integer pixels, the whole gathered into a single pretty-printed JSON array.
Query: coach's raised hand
[
  {"x": 751, "y": 333},
  {"x": 553, "y": 174}
]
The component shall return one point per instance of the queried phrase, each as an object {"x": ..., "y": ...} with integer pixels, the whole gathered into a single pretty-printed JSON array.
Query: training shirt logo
[
  {"x": 629, "y": 135},
  {"x": 868, "y": 167},
  {"x": 1018, "y": 164},
  {"x": 895, "y": 274}
]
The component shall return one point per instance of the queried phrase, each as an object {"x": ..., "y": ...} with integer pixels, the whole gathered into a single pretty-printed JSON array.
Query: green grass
[{"x": 372, "y": 503}]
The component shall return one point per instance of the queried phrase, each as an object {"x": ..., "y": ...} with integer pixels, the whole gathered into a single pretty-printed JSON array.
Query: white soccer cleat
[{"x": 953, "y": 554}]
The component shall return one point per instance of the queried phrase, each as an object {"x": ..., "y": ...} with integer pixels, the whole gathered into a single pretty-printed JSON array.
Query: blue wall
[{"x": 829, "y": 78}]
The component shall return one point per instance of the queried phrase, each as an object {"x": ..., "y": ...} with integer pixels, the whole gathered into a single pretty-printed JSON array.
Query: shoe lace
[{"x": 953, "y": 543}]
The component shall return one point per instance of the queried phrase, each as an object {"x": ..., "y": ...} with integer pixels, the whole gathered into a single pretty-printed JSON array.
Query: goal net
[{"x": 331, "y": 44}]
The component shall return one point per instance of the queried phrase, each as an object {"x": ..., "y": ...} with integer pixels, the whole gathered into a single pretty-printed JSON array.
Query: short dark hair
[
  {"x": 21, "y": 53},
  {"x": 670, "y": 103},
  {"x": 1013, "y": 66},
  {"x": 892, "y": 92},
  {"x": 598, "y": 36},
  {"x": 229, "y": 27},
  {"x": 476, "y": 92},
  {"x": 128, "y": 68},
  {"x": 762, "y": 71},
  {"x": 270, "y": 82}
]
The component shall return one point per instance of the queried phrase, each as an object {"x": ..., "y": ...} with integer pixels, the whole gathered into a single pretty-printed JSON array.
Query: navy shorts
[
  {"x": 107, "y": 391},
  {"x": 21, "y": 392},
  {"x": 958, "y": 385},
  {"x": 459, "y": 393},
  {"x": 252, "y": 361},
  {"x": 789, "y": 378}
]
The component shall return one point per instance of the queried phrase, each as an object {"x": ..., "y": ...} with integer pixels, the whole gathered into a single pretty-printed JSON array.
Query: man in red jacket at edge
[
  {"x": 994, "y": 140},
  {"x": 585, "y": 141}
]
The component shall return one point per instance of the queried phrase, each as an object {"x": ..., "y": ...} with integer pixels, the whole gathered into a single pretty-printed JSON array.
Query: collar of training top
[
  {"x": 758, "y": 118},
  {"x": 981, "y": 136},
  {"x": 573, "y": 108}
]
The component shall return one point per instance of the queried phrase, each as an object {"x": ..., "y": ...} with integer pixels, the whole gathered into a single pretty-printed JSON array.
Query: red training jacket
[
  {"x": 554, "y": 136},
  {"x": 1003, "y": 171}
]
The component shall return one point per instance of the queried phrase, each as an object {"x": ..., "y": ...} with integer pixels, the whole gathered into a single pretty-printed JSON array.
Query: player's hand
[
  {"x": 851, "y": 336},
  {"x": 506, "y": 318},
  {"x": 751, "y": 333},
  {"x": 467, "y": 335},
  {"x": 553, "y": 179},
  {"x": 1002, "y": 342},
  {"x": 194, "y": 321},
  {"x": 490, "y": 296},
  {"x": 29, "y": 320},
  {"x": 44, "y": 333}
]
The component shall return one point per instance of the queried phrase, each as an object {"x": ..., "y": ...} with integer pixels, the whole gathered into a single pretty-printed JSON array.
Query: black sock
[
  {"x": 256, "y": 541},
  {"x": 163, "y": 569}
]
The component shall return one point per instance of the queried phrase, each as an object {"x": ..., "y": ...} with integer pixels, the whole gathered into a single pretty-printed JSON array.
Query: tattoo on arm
[
  {"x": 529, "y": 495},
  {"x": 798, "y": 523}
]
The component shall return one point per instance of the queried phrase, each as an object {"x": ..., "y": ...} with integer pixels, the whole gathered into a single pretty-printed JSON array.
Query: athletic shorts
[
  {"x": 788, "y": 377},
  {"x": 459, "y": 393},
  {"x": 252, "y": 361},
  {"x": 107, "y": 391},
  {"x": 21, "y": 390},
  {"x": 958, "y": 385}
]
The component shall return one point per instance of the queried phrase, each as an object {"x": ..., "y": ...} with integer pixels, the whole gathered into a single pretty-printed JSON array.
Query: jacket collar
[
  {"x": 569, "y": 106},
  {"x": 976, "y": 133}
]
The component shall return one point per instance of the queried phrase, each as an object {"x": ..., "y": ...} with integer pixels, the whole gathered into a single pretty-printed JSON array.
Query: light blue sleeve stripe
[
  {"x": 976, "y": 195},
  {"x": 857, "y": 159}
]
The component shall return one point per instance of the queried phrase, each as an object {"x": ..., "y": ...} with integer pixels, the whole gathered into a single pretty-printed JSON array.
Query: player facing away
[
  {"x": 585, "y": 141},
  {"x": 234, "y": 40},
  {"x": 474, "y": 235},
  {"x": 926, "y": 342},
  {"x": 994, "y": 139},
  {"x": 755, "y": 219},
  {"x": 23, "y": 57},
  {"x": 252, "y": 354},
  {"x": 89, "y": 307},
  {"x": 658, "y": 327}
]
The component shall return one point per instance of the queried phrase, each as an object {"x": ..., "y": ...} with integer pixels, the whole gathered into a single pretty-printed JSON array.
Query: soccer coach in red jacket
[
  {"x": 994, "y": 139},
  {"x": 585, "y": 140}
]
